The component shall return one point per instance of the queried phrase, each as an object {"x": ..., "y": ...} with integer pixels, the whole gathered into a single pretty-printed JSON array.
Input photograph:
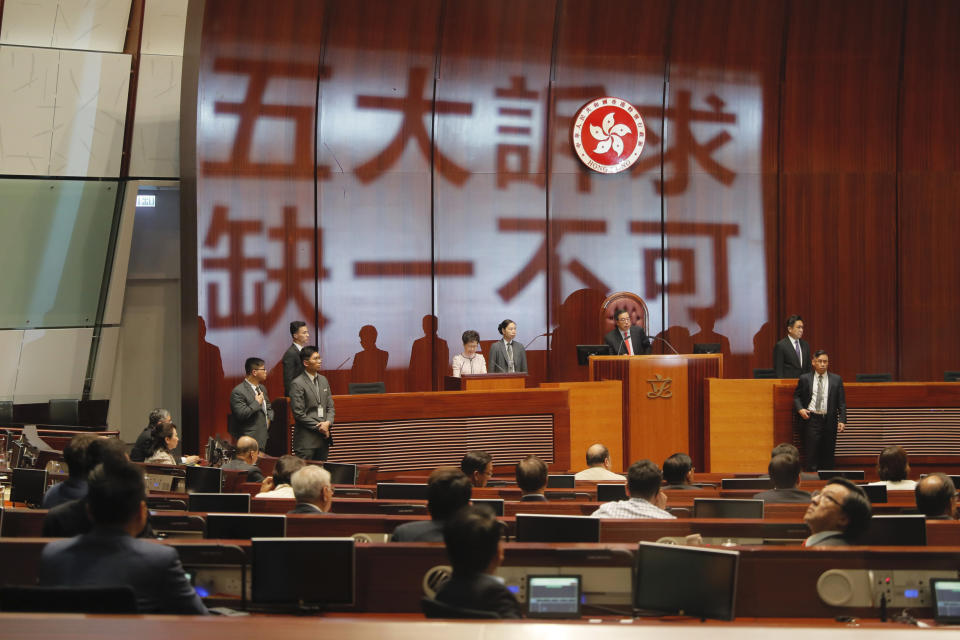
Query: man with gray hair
[
  {"x": 598, "y": 465},
  {"x": 313, "y": 490}
]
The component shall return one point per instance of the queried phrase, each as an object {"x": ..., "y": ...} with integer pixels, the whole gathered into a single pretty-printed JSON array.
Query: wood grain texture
[
  {"x": 595, "y": 416},
  {"x": 740, "y": 424}
]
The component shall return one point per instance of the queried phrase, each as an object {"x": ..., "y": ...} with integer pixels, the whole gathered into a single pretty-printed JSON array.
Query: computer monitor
[
  {"x": 584, "y": 351},
  {"x": 204, "y": 479},
  {"x": 946, "y": 600},
  {"x": 611, "y": 492},
  {"x": 553, "y": 596},
  {"x": 874, "y": 377},
  {"x": 219, "y": 502},
  {"x": 706, "y": 347},
  {"x": 758, "y": 484},
  {"x": 726, "y": 508},
  {"x": 688, "y": 581},
  {"x": 495, "y": 504},
  {"x": 401, "y": 491},
  {"x": 876, "y": 493},
  {"x": 548, "y": 528},
  {"x": 244, "y": 526},
  {"x": 561, "y": 481},
  {"x": 303, "y": 573},
  {"x": 28, "y": 486},
  {"x": 341, "y": 472},
  {"x": 357, "y": 388},
  {"x": 849, "y": 474},
  {"x": 895, "y": 531}
]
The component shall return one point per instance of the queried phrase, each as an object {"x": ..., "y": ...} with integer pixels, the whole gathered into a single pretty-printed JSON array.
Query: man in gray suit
[
  {"x": 312, "y": 406},
  {"x": 249, "y": 405},
  {"x": 507, "y": 355}
]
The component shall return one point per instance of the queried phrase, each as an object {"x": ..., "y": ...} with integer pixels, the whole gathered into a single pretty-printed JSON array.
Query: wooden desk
[
  {"x": 739, "y": 423},
  {"x": 485, "y": 382},
  {"x": 596, "y": 415}
]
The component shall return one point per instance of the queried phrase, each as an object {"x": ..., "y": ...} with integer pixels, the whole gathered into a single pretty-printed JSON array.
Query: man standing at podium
[
  {"x": 627, "y": 339},
  {"x": 791, "y": 356},
  {"x": 821, "y": 403}
]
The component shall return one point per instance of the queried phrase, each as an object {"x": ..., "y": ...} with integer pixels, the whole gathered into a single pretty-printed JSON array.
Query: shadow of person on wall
[
  {"x": 369, "y": 365},
  {"x": 706, "y": 317},
  {"x": 213, "y": 392},
  {"x": 429, "y": 359},
  {"x": 576, "y": 324}
]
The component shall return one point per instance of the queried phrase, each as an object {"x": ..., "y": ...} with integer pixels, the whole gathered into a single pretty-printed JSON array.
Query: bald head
[
  {"x": 936, "y": 496},
  {"x": 248, "y": 450},
  {"x": 598, "y": 456}
]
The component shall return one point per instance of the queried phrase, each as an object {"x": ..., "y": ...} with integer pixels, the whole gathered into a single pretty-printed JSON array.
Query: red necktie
[{"x": 626, "y": 340}]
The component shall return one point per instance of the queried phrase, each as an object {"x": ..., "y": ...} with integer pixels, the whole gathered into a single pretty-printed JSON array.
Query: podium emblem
[
  {"x": 660, "y": 387},
  {"x": 608, "y": 134}
]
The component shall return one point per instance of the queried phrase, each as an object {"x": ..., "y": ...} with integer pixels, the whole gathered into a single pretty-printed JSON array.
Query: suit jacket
[
  {"x": 533, "y": 497},
  {"x": 638, "y": 339},
  {"x": 480, "y": 592},
  {"x": 308, "y": 509},
  {"x": 109, "y": 557},
  {"x": 420, "y": 531},
  {"x": 783, "y": 495},
  {"x": 254, "y": 474},
  {"x": 292, "y": 367},
  {"x": 832, "y": 541},
  {"x": 141, "y": 448},
  {"x": 498, "y": 358},
  {"x": 304, "y": 401},
  {"x": 785, "y": 362},
  {"x": 248, "y": 417},
  {"x": 836, "y": 399}
]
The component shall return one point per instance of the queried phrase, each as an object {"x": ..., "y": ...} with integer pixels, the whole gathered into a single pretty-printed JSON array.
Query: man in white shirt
[
  {"x": 646, "y": 499},
  {"x": 822, "y": 405},
  {"x": 837, "y": 514},
  {"x": 598, "y": 465}
]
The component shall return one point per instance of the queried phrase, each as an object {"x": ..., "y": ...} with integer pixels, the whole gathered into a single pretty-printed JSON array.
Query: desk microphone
[
  {"x": 666, "y": 343},
  {"x": 342, "y": 363},
  {"x": 546, "y": 333}
]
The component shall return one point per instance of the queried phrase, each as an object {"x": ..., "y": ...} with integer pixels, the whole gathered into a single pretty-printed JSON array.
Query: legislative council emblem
[{"x": 608, "y": 134}]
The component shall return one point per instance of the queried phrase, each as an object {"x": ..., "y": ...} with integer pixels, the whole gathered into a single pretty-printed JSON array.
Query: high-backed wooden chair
[{"x": 623, "y": 300}]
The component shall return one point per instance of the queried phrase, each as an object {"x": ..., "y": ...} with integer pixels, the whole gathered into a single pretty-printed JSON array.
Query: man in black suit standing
[
  {"x": 627, "y": 339},
  {"x": 312, "y": 406},
  {"x": 822, "y": 404},
  {"x": 791, "y": 356},
  {"x": 249, "y": 404},
  {"x": 292, "y": 366}
]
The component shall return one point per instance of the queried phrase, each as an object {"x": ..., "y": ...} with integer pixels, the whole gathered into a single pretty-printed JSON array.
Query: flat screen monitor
[
  {"x": 561, "y": 481},
  {"x": 204, "y": 479},
  {"x": 687, "y": 581},
  {"x": 401, "y": 491},
  {"x": 849, "y": 474},
  {"x": 725, "y": 508},
  {"x": 341, "y": 472},
  {"x": 495, "y": 504},
  {"x": 758, "y": 484},
  {"x": 553, "y": 596},
  {"x": 244, "y": 526},
  {"x": 611, "y": 492},
  {"x": 584, "y": 351},
  {"x": 546, "y": 528},
  {"x": 28, "y": 485},
  {"x": 876, "y": 493},
  {"x": 946, "y": 600},
  {"x": 706, "y": 347},
  {"x": 302, "y": 573},
  {"x": 896, "y": 531},
  {"x": 219, "y": 502}
]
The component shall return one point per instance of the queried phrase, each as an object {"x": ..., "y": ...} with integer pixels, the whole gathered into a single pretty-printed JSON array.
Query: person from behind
[
  {"x": 531, "y": 475},
  {"x": 313, "y": 489},
  {"x": 109, "y": 555},
  {"x": 598, "y": 465},
  {"x": 75, "y": 486},
  {"x": 478, "y": 466},
  {"x": 142, "y": 448},
  {"x": 245, "y": 459},
  {"x": 678, "y": 472},
  {"x": 784, "y": 470},
  {"x": 448, "y": 491},
  {"x": 278, "y": 485},
  {"x": 837, "y": 514},
  {"x": 165, "y": 441},
  {"x": 470, "y": 361},
  {"x": 646, "y": 500},
  {"x": 937, "y": 497},
  {"x": 893, "y": 469},
  {"x": 508, "y": 355},
  {"x": 475, "y": 549}
]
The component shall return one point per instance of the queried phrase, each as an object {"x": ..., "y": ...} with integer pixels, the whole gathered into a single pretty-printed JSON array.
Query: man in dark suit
[
  {"x": 822, "y": 404},
  {"x": 313, "y": 490},
  {"x": 110, "y": 556},
  {"x": 312, "y": 406},
  {"x": 791, "y": 356},
  {"x": 936, "y": 497},
  {"x": 531, "y": 473},
  {"x": 448, "y": 491},
  {"x": 838, "y": 514},
  {"x": 245, "y": 459},
  {"x": 249, "y": 404},
  {"x": 784, "y": 470},
  {"x": 292, "y": 365},
  {"x": 627, "y": 338},
  {"x": 678, "y": 473},
  {"x": 473, "y": 540},
  {"x": 507, "y": 355}
]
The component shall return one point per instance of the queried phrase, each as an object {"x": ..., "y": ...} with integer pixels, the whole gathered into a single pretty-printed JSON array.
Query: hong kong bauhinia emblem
[{"x": 608, "y": 134}]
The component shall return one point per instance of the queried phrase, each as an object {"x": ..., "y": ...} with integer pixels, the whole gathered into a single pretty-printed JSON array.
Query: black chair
[
  {"x": 6, "y": 412},
  {"x": 951, "y": 376},
  {"x": 764, "y": 373},
  {"x": 356, "y": 388},
  {"x": 874, "y": 377},
  {"x": 68, "y": 599},
  {"x": 64, "y": 412},
  {"x": 436, "y": 609}
]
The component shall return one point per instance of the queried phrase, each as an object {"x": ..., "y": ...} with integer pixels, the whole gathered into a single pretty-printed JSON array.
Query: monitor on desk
[
  {"x": 561, "y": 481},
  {"x": 303, "y": 573},
  {"x": 726, "y": 508},
  {"x": 897, "y": 531},
  {"x": 876, "y": 493},
  {"x": 401, "y": 491},
  {"x": 946, "y": 600},
  {"x": 849, "y": 474},
  {"x": 758, "y": 484},
  {"x": 549, "y": 528},
  {"x": 219, "y": 502},
  {"x": 341, "y": 472},
  {"x": 707, "y": 347},
  {"x": 553, "y": 596},
  {"x": 584, "y": 351},
  {"x": 244, "y": 526},
  {"x": 204, "y": 479},
  {"x": 611, "y": 492},
  {"x": 28, "y": 486},
  {"x": 686, "y": 581},
  {"x": 495, "y": 504}
]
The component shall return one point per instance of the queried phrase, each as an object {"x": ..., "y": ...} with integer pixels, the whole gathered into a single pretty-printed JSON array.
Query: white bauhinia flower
[{"x": 611, "y": 135}]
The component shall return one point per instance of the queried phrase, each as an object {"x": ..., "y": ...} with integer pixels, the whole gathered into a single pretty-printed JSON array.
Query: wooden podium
[
  {"x": 485, "y": 382},
  {"x": 663, "y": 402}
]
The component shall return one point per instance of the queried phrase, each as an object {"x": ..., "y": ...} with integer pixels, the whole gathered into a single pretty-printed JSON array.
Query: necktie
[
  {"x": 626, "y": 341},
  {"x": 511, "y": 368},
  {"x": 796, "y": 345},
  {"x": 818, "y": 405},
  {"x": 316, "y": 381}
]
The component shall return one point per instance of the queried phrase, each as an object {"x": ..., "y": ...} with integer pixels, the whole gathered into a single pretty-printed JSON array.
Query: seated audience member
[
  {"x": 278, "y": 485},
  {"x": 646, "y": 499},
  {"x": 142, "y": 447},
  {"x": 75, "y": 486},
  {"x": 165, "y": 441},
  {"x": 784, "y": 470},
  {"x": 893, "y": 469},
  {"x": 786, "y": 447},
  {"x": 448, "y": 491},
  {"x": 598, "y": 465},
  {"x": 937, "y": 497},
  {"x": 110, "y": 556},
  {"x": 678, "y": 472},
  {"x": 478, "y": 466},
  {"x": 470, "y": 361},
  {"x": 475, "y": 550},
  {"x": 532, "y": 479},
  {"x": 837, "y": 514},
  {"x": 245, "y": 459},
  {"x": 313, "y": 490}
]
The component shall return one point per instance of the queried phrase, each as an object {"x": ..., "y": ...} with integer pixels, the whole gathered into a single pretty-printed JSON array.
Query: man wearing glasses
[
  {"x": 837, "y": 514},
  {"x": 250, "y": 410}
]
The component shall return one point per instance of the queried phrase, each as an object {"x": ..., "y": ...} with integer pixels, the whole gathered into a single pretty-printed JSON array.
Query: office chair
[{"x": 436, "y": 609}]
